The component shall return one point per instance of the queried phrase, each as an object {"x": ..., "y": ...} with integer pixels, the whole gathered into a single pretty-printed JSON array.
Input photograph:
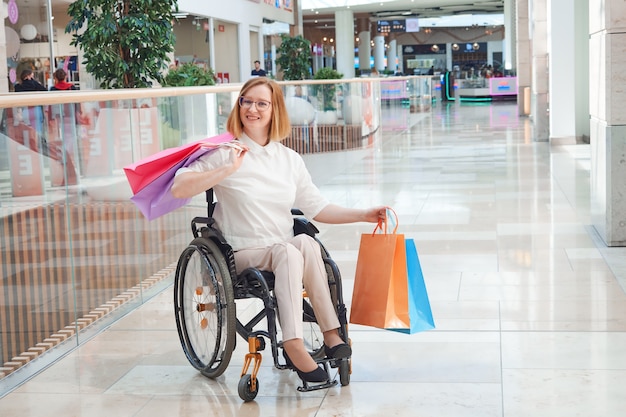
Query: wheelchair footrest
[{"x": 309, "y": 386}]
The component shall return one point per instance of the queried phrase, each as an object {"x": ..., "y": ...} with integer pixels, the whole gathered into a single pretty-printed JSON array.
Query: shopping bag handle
[{"x": 383, "y": 224}]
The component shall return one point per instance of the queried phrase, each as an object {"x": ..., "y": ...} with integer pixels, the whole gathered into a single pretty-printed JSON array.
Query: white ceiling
[{"x": 390, "y": 9}]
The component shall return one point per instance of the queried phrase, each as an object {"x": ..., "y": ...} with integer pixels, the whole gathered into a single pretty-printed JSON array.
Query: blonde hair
[{"x": 280, "y": 127}]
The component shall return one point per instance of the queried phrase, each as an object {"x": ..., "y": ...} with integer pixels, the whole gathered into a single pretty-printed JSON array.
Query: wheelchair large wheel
[{"x": 204, "y": 305}]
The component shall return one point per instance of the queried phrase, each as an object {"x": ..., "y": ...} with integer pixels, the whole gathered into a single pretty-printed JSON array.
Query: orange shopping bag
[{"x": 380, "y": 297}]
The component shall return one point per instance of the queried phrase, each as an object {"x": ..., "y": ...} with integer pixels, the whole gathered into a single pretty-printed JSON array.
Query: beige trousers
[{"x": 296, "y": 264}]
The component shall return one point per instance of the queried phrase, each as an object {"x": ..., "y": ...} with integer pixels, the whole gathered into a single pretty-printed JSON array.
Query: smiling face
[
  {"x": 256, "y": 124},
  {"x": 272, "y": 124}
]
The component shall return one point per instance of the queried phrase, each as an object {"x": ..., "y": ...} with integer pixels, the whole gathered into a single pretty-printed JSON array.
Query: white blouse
[{"x": 255, "y": 202}]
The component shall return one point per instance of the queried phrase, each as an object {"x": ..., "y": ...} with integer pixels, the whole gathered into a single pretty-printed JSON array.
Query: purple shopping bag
[
  {"x": 141, "y": 173},
  {"x": 155, "y": 200}
]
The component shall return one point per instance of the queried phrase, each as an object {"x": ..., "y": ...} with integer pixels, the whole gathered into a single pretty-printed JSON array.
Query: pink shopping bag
[{"x": 146, "y": 170}]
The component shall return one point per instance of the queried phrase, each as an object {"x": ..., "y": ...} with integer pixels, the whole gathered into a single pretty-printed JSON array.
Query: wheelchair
[{"x": 206, "y": 286}]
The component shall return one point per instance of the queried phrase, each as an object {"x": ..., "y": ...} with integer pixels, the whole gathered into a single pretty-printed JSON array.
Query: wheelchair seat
[{"x": 206, "y": 286}]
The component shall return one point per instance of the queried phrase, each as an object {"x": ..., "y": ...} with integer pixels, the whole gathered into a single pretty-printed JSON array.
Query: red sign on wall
[{"x": 26, "y": 178}]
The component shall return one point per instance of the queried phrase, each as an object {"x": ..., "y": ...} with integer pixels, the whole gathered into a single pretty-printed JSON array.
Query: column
[
  {"x": 581, "y": 74},
  {"x": 509, "y": 49},
  {"x": 344, "y": 39},
  {"x": 568, "y": 57},
  {"x": 392, "y": 56},
  {"x": 297, "y": 20},
  {"x": 364, "y": 50},
  {"x": 379, "y": 52},
  {"x": 539, "y": 84},
  {"x": 523, "y": 54},
  {"x": 211, "y": 41},
  {"x": 4, "y": 75},
  {"x": 607, "y": 48}
]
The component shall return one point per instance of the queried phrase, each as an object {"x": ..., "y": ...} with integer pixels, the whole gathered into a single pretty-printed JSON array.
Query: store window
[
  {"x": 28, "y": 47},
  {"x": 271, "y": 40}
]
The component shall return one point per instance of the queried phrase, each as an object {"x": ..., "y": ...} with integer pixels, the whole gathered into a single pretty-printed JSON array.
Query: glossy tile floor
[{"x": 529, "y": 304}]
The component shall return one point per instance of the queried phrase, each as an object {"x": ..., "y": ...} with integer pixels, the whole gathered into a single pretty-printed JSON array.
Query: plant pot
[
  {"x": 327, "y": 117},
  {"x": 300, "y": 111},
  {"x": 352, "y": 114}
]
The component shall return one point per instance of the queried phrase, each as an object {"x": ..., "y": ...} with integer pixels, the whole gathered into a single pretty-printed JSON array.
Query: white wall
[{"x": 245, "y": 16}]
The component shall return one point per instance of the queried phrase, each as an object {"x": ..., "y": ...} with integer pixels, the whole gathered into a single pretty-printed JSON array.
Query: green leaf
[
  {"x": 125, "y": 42},
  {"x": 294, "y": 57}
]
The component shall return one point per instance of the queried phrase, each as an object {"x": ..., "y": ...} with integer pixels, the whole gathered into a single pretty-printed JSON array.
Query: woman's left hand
[{"x": 375, "y": 214}]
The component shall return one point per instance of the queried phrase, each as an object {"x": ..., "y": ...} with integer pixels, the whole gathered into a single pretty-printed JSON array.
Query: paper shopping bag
[
  {"x": 420, "y": 314},
  {"x": 380, "y": 296},
  {"x": 155, "y": 199},
  {"x": 143, "y": 172}
]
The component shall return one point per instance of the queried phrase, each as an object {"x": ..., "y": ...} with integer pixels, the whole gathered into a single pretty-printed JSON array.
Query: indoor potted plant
[
  {"x": 187, "y": 75},
  {"x": 326, "y": 95},
  {"x": 294, "y": 56}
]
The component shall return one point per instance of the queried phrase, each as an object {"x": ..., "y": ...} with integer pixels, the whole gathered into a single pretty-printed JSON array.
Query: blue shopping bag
[
  {"x": 420, "y": 314},
  {"x": 389, "y": 291}
]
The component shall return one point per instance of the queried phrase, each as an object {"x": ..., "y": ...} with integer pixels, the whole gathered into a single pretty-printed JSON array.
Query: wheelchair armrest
[
  {"x": 303, "y": 225},
  {"x": 207, "y": 221}
]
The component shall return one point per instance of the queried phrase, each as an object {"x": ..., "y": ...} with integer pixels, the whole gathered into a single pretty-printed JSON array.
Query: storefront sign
[{"x": 13, "y": 12}]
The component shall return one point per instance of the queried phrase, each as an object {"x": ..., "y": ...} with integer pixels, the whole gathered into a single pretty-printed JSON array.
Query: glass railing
[{"x": 75, "y": 252}]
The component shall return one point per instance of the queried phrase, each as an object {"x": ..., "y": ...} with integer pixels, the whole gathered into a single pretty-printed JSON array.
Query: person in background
[
  {"x": 64, "y": 119},
  {"x": 299, "y": 93},
  {"x": 60, "y": 82},
  {"x": 256, "y": 189},
  {"x": 258, "y": 71},
  {"x": 28, "y": 82},
  {"x": 31, "y": 115}
]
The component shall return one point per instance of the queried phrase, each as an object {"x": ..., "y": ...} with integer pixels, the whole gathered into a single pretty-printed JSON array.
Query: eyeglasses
[{"x": 261, "y": 105}]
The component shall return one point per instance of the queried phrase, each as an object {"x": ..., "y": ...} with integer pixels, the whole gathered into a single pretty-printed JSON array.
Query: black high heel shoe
[
  {"x": 316, "y": 375},
  {"x": 340, "y": 351}
]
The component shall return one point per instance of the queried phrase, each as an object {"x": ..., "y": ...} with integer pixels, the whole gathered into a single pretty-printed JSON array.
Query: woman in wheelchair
[{"x": 257, "y": 185}]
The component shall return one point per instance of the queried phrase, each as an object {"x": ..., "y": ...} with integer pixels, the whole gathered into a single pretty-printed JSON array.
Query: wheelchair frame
[{"x": 206, "y": 313}]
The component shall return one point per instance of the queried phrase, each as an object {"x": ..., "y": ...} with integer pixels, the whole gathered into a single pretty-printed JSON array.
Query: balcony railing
[{"x": 75, "y": 253}]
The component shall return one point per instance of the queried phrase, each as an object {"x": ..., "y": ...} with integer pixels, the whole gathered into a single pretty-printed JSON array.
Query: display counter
[
  {"x": 497, "y": 88},
  {"x": 414, "y": 92}
]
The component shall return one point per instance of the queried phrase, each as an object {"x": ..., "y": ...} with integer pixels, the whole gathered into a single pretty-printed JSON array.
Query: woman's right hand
[
  {"x": 236, "y": 157},
  {"x": 188, "y": 184}
]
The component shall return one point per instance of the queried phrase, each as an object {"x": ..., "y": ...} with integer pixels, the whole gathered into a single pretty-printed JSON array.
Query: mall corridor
[{"x": 529, "y": 304}]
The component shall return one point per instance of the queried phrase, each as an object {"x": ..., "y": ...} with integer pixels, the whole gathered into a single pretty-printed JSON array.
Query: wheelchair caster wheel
[
  {"x": 344, "y": 372},
  {"x": 245, "y": 388}
]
